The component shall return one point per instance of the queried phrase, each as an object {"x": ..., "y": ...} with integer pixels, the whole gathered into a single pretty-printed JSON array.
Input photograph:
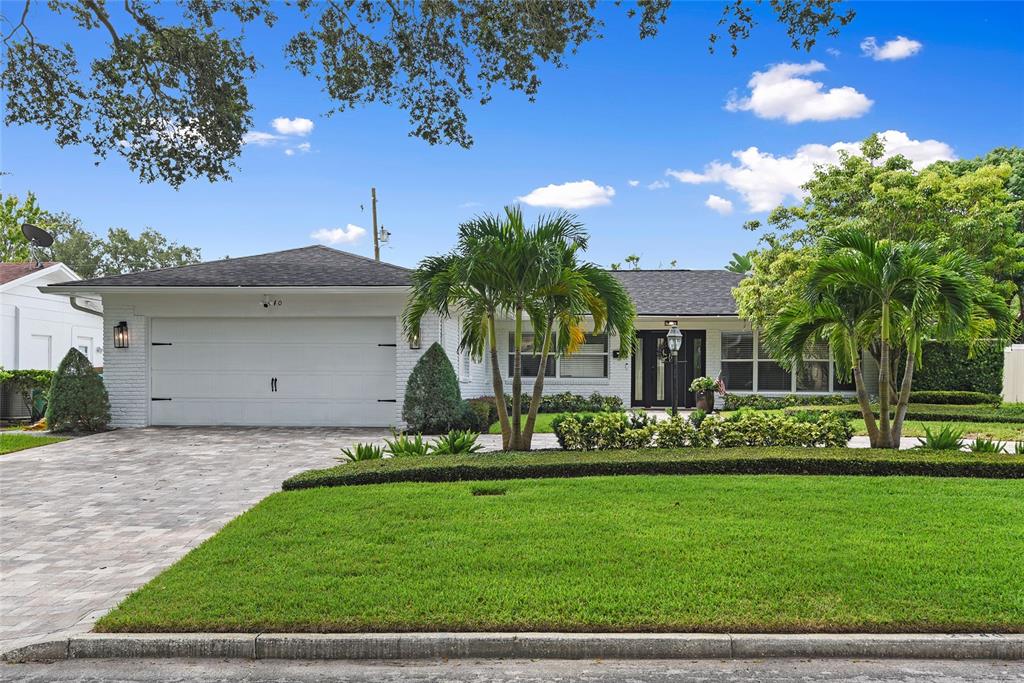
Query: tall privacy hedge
[{"x": 946, "y": 367}]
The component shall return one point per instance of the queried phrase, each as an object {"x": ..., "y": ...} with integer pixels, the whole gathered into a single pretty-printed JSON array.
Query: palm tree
[
  {"x": 896, "y": 294},
  {"x": 740, "y": 263},
  {"x": 502, "y": 268},
  {"x": 570, "y": 293}
]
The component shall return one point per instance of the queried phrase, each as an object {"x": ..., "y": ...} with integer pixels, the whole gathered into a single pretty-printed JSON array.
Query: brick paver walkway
[{"x": 86, "y": 521}]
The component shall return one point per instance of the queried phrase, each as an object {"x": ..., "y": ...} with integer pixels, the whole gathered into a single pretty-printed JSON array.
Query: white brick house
[{"x": 313, "y": 336}]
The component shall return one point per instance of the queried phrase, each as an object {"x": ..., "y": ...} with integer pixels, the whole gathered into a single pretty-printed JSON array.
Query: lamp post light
[{"x": 675, "y": 341}]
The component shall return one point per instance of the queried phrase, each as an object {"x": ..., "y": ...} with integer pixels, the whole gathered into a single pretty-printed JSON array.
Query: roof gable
[
  {"x": 22, "y": 273},
  {"x": 314, "y": 266},
  {"x": 681, "y": 292}
]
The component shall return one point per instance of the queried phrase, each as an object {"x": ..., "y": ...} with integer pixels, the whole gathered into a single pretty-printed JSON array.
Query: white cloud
[
  {"x": 255, "y": 137},
  {"x": 833, "y": 52},
  {"x": 303, "y": 147},
  {"x": 719, "y": 204},
  {"x": 658, "y": 185},
  {"x": 296, "y": 126},
  {"x": 347, "y": 235},
  {"x": 765, "y": 180},
  {"x": 575, "y": 195},
  {"x": 289, "y": 152},
  {"x": 633, "y": 183},
  {"x": 780, "y": 93},
  {"x": 900, "y": 47}
]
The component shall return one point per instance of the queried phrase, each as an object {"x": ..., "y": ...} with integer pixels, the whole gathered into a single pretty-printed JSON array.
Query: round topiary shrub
[
  {"x": 78, "y": 399},
  {"x": 433, "y": 402}
]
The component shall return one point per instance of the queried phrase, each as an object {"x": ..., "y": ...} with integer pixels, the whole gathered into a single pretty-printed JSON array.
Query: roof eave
[{"x": 234, "y": 289}]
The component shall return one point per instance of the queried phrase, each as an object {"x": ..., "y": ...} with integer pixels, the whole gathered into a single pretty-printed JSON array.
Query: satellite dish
[
  {"x": 37, "y": 239},
  {"x": 36, "y": 236}
]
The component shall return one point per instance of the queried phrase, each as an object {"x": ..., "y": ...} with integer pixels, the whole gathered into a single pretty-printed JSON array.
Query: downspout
[{"x": 84, "y": 309}]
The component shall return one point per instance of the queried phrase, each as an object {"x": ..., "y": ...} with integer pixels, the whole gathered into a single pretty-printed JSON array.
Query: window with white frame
[
  {"x": 747, "y": 366},
  {"x": 589, "y": 362},
  {"x": 738, "y": 361}
]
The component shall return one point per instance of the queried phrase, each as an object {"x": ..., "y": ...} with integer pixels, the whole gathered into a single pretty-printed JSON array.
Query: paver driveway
[{"x": 84, "y": 522}]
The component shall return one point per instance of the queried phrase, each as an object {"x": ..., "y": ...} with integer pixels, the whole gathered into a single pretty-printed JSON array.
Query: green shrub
[
  {"x": 1008, "y": 413},
  {"x": 640, "y": 418},
  {"x": 403, "y": 445},
  {"x": 949, "y": 438},
  {"x": 959, "y": 398},
  {"x": 433, "y": 403},
  {"x": 759, "y": 402},
  {"x": 946, "y": 366},
  {"x": 456, "y": 443},
  {"x": 981, "y": 445},
  {"x": 361, "y": 451},
  {"x": 697, "y": 416},
  {"x": 683, "y": 461},
  {"x": 33, "y": 386},
  {"x": 78, "y": 400},
  {"x": 485, "y": 411},
  {"x": 678, "y": 432},
  {"x": 772, "y": 429},
  {"x": 564, "y": 402}
]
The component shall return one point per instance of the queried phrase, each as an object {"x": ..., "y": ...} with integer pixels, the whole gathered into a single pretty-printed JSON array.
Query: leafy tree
[
  {"x": 433, "y": 403},
  {"x": 740, "y": 263},
  {"x": 860, "y": 291},
  {"x": 499, "y": 269},
  {"x": 13, "y": 213},
  {"x": 634, "y": 261},
  {"x": 971, "y": 208},
  {"x": 77, "y": 400},
  {"x": 82, "y": 251},
  {"x": 168, "y": 91}
]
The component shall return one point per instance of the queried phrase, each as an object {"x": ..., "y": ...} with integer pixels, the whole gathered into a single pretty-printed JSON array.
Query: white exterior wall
[{"x": 36, "y": 329}]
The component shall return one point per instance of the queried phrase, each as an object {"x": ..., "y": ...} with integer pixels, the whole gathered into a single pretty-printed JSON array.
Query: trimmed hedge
[
  {"x": 1009, "y": 414},
  {"x": 565, "y": 402},
  {"x": 433, "y": 404},
  {"x": 552, "y": 464},
  {"x": 957, "y": 398},
  {"x": 78, "y": 400},
  {"x": 946, "y": 366},
  {"x": 759, "y": 402}
]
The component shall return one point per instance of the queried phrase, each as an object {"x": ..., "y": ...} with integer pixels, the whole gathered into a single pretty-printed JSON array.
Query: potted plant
[{"x": 704, "y": 388}]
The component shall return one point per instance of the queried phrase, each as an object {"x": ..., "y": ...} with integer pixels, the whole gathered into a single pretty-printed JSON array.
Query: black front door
[{"x": 652, "y": 368}]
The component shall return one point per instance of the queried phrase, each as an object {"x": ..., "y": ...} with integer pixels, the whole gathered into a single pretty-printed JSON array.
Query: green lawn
[
  {"x": 1004, "y": 431},
  {"x": 9, "y": 443},
  {"x": 542, "y": 426},
  {"x": 659, "y": 553}
]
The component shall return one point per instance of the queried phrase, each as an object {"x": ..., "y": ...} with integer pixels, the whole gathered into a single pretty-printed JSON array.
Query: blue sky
[{"x": 623, "y": 111}]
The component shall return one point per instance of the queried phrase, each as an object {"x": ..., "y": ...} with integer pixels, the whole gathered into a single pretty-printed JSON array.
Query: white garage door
[{"x": 298, "y": 371}]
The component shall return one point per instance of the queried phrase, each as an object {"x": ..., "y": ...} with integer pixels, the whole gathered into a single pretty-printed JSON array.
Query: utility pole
[{"x": 373, "y": 207}]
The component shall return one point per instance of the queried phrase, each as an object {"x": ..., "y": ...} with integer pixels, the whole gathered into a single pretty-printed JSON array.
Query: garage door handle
[
  {"x": 273, "y": 384},
  {"x": 159, "y": 399},
  {"x": 387, "y": 400}
]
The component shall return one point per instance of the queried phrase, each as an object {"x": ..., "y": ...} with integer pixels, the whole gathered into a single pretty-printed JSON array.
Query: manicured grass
[
  {"x": 1003, "y": 431},
  {"x": 685, "y": 461},
  {"x": 9, "y": 443},
  {"x": 541, "y": 426},
  {"x": 642, "y": 553}
]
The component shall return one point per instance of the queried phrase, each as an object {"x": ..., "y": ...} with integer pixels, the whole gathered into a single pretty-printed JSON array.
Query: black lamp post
[{"x": 675, "y": 341}]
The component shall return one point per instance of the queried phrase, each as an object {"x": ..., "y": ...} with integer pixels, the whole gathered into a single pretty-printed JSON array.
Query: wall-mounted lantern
[
  {"x": 414, "y": 341},
  {"x": 121, "y": 335}
]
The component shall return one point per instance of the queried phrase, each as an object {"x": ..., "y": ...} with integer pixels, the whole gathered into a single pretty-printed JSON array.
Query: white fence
[{"x": 1013, "y": 374}]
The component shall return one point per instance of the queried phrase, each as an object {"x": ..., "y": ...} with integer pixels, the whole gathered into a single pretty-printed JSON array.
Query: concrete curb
[{"x": 396, "y": 646}]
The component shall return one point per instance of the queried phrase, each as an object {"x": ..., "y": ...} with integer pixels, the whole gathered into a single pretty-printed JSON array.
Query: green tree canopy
[
  {"x": 168, "y": 88},
  {"x": 967, "y": 205},
  {"x": 82, "y": 251}
]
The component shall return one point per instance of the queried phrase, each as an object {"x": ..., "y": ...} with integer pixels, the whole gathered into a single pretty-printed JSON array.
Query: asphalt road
[{"x": 802, "y": 671}]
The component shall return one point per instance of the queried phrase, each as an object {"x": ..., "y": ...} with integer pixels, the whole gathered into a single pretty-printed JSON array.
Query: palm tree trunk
[
  {"x": 904, "y": 399},
  {"x": 497, "y": 384},
  {"x": 516, "y": 442},
  {"x": 538, "y": 390},
  {"x": 885, "y": 437},
  {"x": 865, "y": 406}
]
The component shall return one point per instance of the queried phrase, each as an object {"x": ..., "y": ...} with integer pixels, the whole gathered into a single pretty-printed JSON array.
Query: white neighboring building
[{"x": 36, "y": 329}]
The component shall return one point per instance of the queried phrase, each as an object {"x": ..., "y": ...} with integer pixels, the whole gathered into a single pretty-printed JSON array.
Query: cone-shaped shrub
[
  {"x": 433, "y": 402},
  {"x": 78, "y": 399}
]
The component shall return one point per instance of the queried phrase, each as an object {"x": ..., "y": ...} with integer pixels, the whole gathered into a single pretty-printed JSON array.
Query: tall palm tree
[
  {"x": 500, "y": 267},
  {"x": 571, "y": 293},
  {"x": 897, "y": 294}
]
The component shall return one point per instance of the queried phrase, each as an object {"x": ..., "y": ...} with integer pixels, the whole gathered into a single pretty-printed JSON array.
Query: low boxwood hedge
[
  {"x": 960, "y": 398},
  {"x": 550, "y": 464},
  {"x": 1010, "y": 414}
]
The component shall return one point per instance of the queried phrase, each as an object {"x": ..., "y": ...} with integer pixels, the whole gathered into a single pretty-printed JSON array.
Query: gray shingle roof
[
  {"x": 681, "y": 292},
  {"x": 315, "y": 266}
]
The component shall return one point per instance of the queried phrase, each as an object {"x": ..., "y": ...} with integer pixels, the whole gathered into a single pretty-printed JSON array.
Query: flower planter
[{"x": 706, "y": 401}]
